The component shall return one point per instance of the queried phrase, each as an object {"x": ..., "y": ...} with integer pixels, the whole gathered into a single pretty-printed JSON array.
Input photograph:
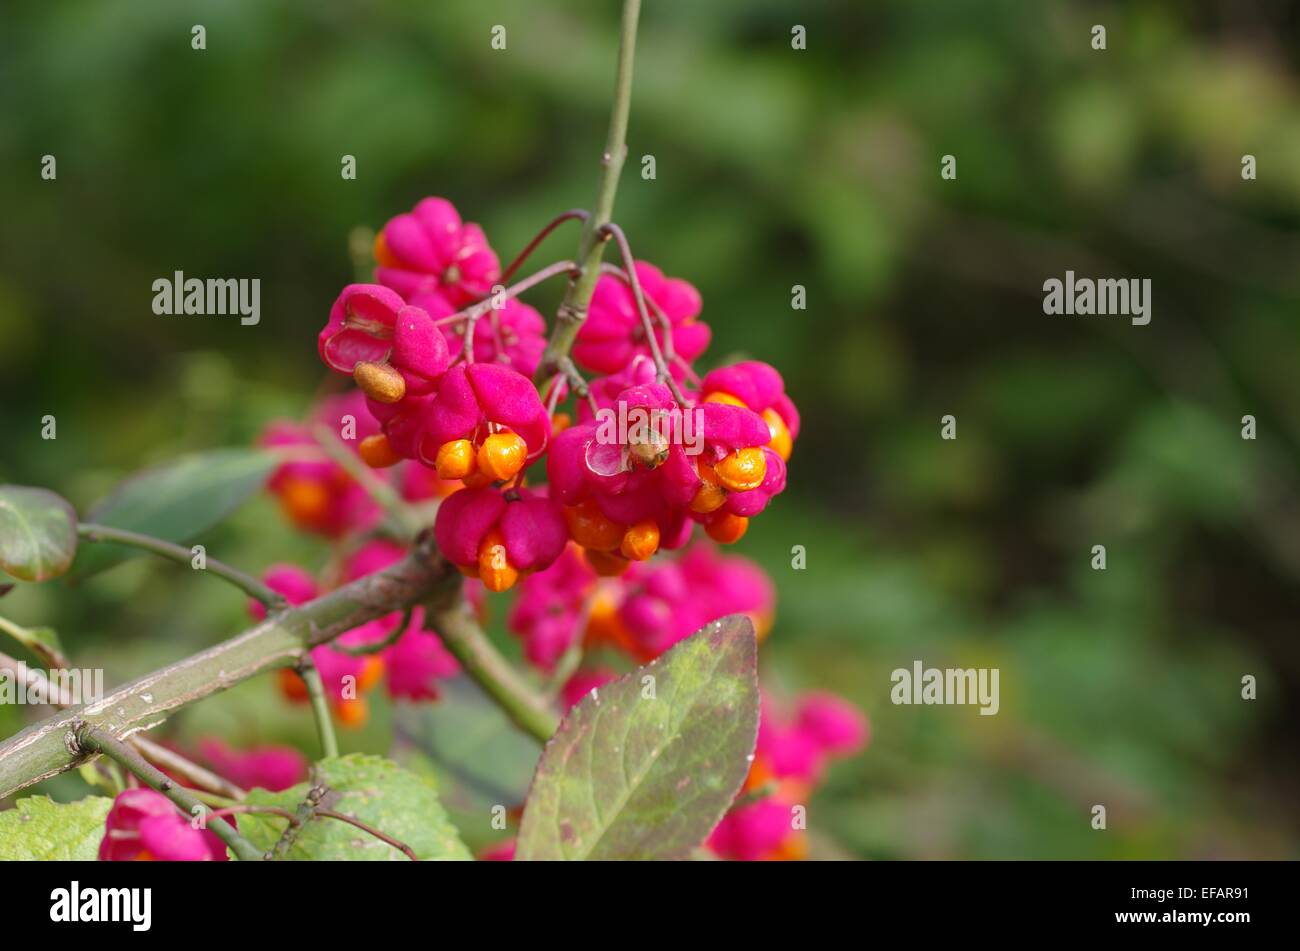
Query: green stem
[
  {"x": 41, "y": 750},
  {"x": 591, "y": 246},
  {"x": 182, "y": 555},
  {"x": 374, "y": 647},
  {"x": 93, "y": 740},
  {"x": 306, "y": 810},
  {"x": 320, "y": 707},
  {"x": 404, "y": 518},
  {"x": 190, "y": 771},
  {"x": 51, "y": 656},
  {"x": 156, "y": 753},
  {"x": 466, "y": 641}
]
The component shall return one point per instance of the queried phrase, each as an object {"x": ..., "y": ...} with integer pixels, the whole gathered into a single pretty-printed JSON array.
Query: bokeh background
[{"x": 775, "y": 167}]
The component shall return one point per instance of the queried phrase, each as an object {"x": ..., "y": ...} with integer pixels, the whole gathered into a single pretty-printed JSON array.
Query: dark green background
[{"x": 775, "y": 167}]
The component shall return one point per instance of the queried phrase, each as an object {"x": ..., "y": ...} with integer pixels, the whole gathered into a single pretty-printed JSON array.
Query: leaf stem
[
  {"x": 374, "y": 647},
  {"x": 531, "y": 246},
  {"x": 629, "y": 266},
  {"x": 366, "y": 827},
  {"x": 182, "y": 555},
  {"x": 466, "y": 641},
  {"x": 94, "y": 740},
  {"x": 48, "y": 653},
  {"x": 474, "y": 311},
  {"x": 308, "y": 810},
  {"x": 404, "y": 519},
  {"x": 298, "y": 821},
  {"x": 591, "y": 246},
  {"x": 187, "y": 769},
  {"x": 320, "y": 707}
]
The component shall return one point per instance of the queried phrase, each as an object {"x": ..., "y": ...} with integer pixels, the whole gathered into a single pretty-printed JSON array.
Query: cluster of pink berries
[
  {"x": 453, "y": 390},
  {"x": 443, "y": 360}
]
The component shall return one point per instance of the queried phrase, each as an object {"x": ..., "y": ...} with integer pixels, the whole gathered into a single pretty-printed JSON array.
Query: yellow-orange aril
[
  {"x": 560, "y": 422},
  {"x": 455, "y": 459},
  {"x": 353, "y": 713},
  {"x": 606, "y": 564},
  {"x": 379, "y": 381},
  {"x": 727, "y": 528},
  {"x": 384, "y": 257},
  {"x": 760, "y": 774},
  {"x": 377, "y": 452},
  {"x": 793, "y": 848},
  {"x": 640, "y": 541},
  {"x": 602, "y": 619},
  {"x": 372, "y": 669},
  {"x": 291, "y": 685},
  {"x": 494, "y": 568},
  {"x": 305, "y": 501},
  {"x": 782, "y": 443},
  {"x": 502, "y": 455},
  {"x": 743, "y": 470},
  {"x": 710, "y": 495},
  {"x": 720, "y": 397},
  {"x": 590, "y": 528}
]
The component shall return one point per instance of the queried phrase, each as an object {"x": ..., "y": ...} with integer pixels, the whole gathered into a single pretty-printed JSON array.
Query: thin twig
[
  {"x": 553, "y": 394},
  {"x": 374, "y": 647},
  {"x": 187, "y": 769},
  {"x": 465, "y": 640},
  {"x": 578, "y": 382},
  {"x": 629, "y": 266},
  {"x": 514, "y": 290},
  {"x": 182, "y": 555},
  {"x": 365, "y": 827},
  {"x": 403, "y": 516},
  {"x": 94, "y": 740},
  {"x": 310, "y": 809},
  {"x": 50, "y": 655},
  {"x": 591, "y": 246},
  {"x": 298, "y": 821},
  {"x": 670, "y": 353},
  {"x": 573, "y": 213},
  {"x": 320, "y": 707}
]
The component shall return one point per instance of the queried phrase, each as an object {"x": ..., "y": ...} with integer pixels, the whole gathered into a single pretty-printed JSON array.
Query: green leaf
[
  {"x": 41, "y": 641},
  {"x": 38, "y": 533},
  {"x": 45, "y": 641},
  {"x": 630, "y": 776},
  {"x": 481, "y": 758},
  {"x": 176, "y": 501},
  {"x": 379, "y": 793},
  {"x": 39, "y": 829}
]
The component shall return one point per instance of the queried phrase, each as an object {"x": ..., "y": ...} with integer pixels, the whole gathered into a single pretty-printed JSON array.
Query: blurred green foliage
[{"x": 775, "y": 167}]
